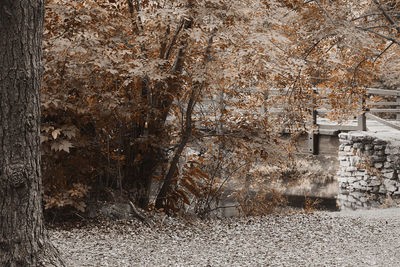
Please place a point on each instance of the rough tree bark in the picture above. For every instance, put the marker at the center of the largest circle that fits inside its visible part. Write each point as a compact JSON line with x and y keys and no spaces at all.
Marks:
{"x":23,"y":239}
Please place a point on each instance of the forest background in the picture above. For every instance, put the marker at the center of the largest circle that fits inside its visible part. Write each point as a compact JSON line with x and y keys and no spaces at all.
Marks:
{"x":164,"y":102}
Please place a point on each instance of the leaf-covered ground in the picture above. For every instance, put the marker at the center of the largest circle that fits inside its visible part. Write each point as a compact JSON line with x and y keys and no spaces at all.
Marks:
{"x":361,"y":238}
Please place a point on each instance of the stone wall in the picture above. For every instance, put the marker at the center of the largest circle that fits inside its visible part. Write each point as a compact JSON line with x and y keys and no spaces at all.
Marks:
{"x":369,"y":170}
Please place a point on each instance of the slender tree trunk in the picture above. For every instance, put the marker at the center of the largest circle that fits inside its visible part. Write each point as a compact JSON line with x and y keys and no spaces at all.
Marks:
{"x":23,"y":239}
{"x":187,"y":133}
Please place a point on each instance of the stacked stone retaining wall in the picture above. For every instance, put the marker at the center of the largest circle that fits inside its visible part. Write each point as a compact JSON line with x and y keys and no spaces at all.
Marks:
{"x":369,"y":170}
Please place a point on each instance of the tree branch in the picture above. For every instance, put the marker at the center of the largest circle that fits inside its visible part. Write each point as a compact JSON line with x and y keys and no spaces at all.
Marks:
{"x":381,"y":53}
{"x":187,"y":133}
{"x":380,"y":35}
{"x":365,"y":16}
{"x":173,"y":40}
{"x":386,"y":15}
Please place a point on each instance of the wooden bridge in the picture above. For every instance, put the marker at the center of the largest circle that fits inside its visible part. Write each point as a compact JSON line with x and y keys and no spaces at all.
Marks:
{"x":323,"y":132}
{"x":367,"y":121}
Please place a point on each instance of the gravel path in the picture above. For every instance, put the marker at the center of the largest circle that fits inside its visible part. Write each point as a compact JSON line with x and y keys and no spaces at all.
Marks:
{"x":361,"y":238}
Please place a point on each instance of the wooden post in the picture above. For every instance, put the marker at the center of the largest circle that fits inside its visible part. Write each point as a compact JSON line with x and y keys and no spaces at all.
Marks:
{"x":362,"y":121}
{"x":398,"y":107}
{"x":313,"y":133}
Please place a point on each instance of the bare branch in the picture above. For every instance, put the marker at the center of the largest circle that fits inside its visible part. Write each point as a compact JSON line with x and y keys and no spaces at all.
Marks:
{"x":386,"y":15}
{"x":365,"y":16}
{"x":377,"y":56}
{"x":379,"y":26}
{"x":353,"y":79}
{"x":173,"y":40}
{"x":305,"y":58}
{"x":386,"y":49}
{"x":380,"y":35}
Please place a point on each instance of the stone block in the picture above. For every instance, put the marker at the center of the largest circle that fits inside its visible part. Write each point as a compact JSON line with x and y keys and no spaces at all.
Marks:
{"x":351,"y":169}
{"x":393,"y":158}
{"x":357,"y":194}
{"x":358,"y":145}
{"x":342,"y":153}
{"x":388,"y":165}
{"x":352,"y":179}
{"x":378,"y":159}
{"x":378,"y":165}
{"x":344,"y":164}
{"x":392,"y":150}
{"x":343,"y":136}
{"x":359,"y":152}
{"x":356,"y":185}
{"x":379,"y":147}
{"x":378,"y":142}
{"x":358,"y":136}
{"x":390,"y":185}
{"x":375,"y":183}
{"x":346,"y":142}
{"x":347,"y":148}
{"x":374,"y":189}
{"x":368,"y":147}
{"x":354,"y":160}
{"x":350,"y":198}
{"x":379,"y":153}
{"x":382,"y":189}
{"x":367,"y":153}
{"x":390,"y":175}
{"x":367,"y":178}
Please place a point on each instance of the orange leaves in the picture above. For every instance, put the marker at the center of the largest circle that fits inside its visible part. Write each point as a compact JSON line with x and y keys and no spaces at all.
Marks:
{"x":197,"y":172}
{"x":72,"y":197}
{"x":55,"y":133}
{"x":124,"y":80}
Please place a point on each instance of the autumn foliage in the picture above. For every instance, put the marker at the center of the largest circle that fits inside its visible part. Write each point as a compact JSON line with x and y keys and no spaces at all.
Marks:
{"x":166,"y":101}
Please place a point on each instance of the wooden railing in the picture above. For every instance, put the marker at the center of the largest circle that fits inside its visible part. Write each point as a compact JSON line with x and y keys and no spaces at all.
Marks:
{"x":394,"y":106}
{"x":368,"y":113}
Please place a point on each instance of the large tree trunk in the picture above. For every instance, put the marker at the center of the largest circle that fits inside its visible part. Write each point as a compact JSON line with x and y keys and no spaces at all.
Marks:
{"x":23,"y":239}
